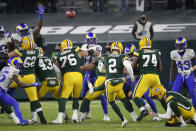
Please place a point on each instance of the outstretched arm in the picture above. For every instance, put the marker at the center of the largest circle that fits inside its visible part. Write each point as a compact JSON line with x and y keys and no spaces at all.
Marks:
{"x":18,"y":82}
{"x":172,"y":69}
{"x":87,"y":67}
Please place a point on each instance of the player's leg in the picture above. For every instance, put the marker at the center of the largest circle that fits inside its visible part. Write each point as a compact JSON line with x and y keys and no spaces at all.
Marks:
{"x":140,"y":89}
{"x":33,"y":98}
{"x":191,"y":87}
{"x":5,"y":98}
{"x":125,"y":100}
{"x":42,"y":90}
{"x":67,"y":89}
{"x":78,"y":78}
{"x":178,"y":83}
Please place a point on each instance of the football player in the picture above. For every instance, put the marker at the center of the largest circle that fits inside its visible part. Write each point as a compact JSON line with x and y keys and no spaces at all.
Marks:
{"x":182,"y":58}
{"x":179,"y":109}
{"x":114,"y":64}
{"x":149,"y":63}
{"x":129,"y":51}
{"x":91,"y":43}
{"x":23,"y":30}
{"x":89,"y":97}
{"x":29,"y":54}
{"x":8,"y":75}
{"x":69,"y":63}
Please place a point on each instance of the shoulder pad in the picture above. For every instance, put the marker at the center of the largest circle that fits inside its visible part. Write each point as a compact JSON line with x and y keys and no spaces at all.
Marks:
{"x":18,"y":51}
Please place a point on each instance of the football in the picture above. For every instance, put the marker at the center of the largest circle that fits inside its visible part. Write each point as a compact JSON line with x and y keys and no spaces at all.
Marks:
{"x":70,"y":14}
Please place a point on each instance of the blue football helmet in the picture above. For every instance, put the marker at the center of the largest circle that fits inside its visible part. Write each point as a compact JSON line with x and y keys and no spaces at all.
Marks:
{"x":129,"y":49}
{"x":16,"y":62}
{"x":2,"y":31}
{"x":22,"y":29}
{"x":91,"y":39}
{"x":181,"y":44}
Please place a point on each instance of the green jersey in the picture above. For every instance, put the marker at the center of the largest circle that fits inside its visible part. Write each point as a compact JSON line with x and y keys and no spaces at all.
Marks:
{"x":178,"y":98}
{"x":44,"y":68}
{"x":69,"y":60}
{"x":114,"y":65}
{"x":147,"y":61}
{"x":28,"y":57}
{"x":99,"y":63}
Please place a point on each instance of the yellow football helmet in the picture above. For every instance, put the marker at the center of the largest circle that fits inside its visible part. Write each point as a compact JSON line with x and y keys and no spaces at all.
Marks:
{"x":117,"y":46}
{"x":145,"y":42}
{"x":27,"y":43}
{"x":158,"y":91}
{"x":66,"y":44}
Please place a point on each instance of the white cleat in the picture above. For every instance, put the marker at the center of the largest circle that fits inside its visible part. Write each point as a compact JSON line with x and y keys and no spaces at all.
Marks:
{"x":87,"y":115}
{"x":124,"y":122}
{"x":156,"y":119}
{"x":183,"y":125}
{"x":106,"y":118}
{"x":34,"y":121}
{"x":80,"y":116}
{"x":57,"y":121}
{"x":134,"y":116}
{"x":75,"y":116}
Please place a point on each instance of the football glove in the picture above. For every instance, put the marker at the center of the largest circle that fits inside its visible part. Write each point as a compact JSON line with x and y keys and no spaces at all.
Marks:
{"x":40,"y":10}
{"x":36,"y":84}
{"x":90,"y":86}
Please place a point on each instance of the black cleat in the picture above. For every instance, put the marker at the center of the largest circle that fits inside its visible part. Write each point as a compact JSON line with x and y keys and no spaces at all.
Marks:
{"x":142,"y":115}
{"x":66,"y":117}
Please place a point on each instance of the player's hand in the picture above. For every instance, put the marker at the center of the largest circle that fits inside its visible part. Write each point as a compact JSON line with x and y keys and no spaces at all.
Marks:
{"x":186,"y":73}
{"x":153,"y":114}
{"x":90,"y":86}
{"x":41,"y":9}
{"x":171,"y":83}
{"x":36,"y":84}
{"x":129,"y":94}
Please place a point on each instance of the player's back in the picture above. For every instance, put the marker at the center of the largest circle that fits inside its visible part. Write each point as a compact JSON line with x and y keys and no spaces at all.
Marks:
{"x":69,"y":60}
{"x":28,"y":57}
{"x":6,"y":76}
{"x":148,"y":61}
{"x":44,"y":68}
{"x":113,"y":66}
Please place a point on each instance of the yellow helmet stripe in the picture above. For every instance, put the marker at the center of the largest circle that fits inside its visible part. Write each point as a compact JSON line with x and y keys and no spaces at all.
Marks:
{"x":68,"y":43}
{"x":147,"y":40}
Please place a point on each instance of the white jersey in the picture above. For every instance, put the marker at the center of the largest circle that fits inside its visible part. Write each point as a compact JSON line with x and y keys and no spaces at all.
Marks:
{"x":6,"y":76}
{"x":90,"y":59}
{"x":3,"y":42}
{"x":17,"y":37}
{"x":183,"y":62}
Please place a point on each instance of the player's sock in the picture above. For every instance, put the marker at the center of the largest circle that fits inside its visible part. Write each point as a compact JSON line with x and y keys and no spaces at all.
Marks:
{"x":34,"y":116}
{"x":181,"y":120}
{"x":138,"y":102}
{"x":88,"y":107}
{"x":104,"y":104}
{"x":127,"y":104}
{"x":143,"y":101}
{"x":62,"y":102}
{"x":117,"y":110}
{"x":41,"y":116}
{"x":194,"y":101}
{"x":152,"y":104}
{"x":75,"y":104}
{"x":14,"y":118}
{"x":84,"y":105}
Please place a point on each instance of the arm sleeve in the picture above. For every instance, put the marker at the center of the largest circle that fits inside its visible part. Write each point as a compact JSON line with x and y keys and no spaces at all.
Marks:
{"x":127,"y":64}
{"x":168,"y":114}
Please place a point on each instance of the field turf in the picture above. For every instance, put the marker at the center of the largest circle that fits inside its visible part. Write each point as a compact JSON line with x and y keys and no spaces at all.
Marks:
{"x":94,"y":124}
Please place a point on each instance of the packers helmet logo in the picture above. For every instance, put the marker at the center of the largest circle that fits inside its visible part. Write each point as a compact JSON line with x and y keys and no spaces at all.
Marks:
{"x":156,"y":90}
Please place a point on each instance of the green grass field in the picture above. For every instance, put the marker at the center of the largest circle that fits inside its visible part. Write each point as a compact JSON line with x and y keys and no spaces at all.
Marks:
{"x":94,"y":124}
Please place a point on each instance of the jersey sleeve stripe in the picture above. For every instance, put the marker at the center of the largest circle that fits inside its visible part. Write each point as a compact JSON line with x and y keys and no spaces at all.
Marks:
{"x":17,"y":52}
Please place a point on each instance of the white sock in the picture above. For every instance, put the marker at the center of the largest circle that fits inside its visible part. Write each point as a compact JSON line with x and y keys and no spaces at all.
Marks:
{"x":75,"y":111}
{"x":142,"y":108}
{"x":34,"y":116}
{"x":14,"y":118}
{"x":147,"y":106}
{"x":134,"y":116}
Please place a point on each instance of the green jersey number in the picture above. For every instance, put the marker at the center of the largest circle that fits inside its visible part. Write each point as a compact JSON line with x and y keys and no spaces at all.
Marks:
{"x":29,"y":61}
{"x":71,"y":58}
{"x":147,"y":58}
{"x":44,"y":66}
{"x":112,"y":65}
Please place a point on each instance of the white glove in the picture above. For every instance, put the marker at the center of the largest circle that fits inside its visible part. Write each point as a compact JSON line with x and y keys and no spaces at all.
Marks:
{"x":90,"y":86}
{"x":187,"y":73}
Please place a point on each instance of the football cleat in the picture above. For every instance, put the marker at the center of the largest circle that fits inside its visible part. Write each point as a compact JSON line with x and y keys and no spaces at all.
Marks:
{"x":156,"y":119}
{"x":106,"y":117}
{"x":57,"y":121}
{"x":87,"y":115}
{"x":142,"y":115}
{"x":75,"y":116}
{"x":133,"y":116}
{"x":66,"y":118}
{"x":80,"y":116}
{"x":124,"y":122}
{"x":25,"y":122}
